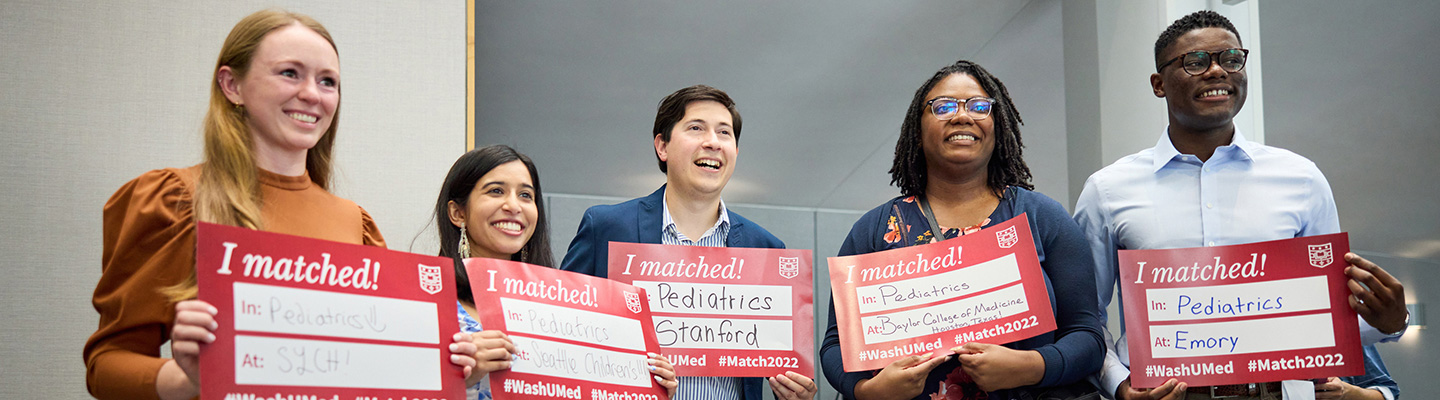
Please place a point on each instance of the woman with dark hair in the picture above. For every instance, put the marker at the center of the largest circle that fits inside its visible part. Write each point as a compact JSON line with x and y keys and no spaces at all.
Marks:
{"x":959,"y":168}
{"x":269,"y":134}
{"x":492,"y":202}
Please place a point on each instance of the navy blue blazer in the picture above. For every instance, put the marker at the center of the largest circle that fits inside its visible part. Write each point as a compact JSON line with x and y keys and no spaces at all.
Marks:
{"x":639,"y":221}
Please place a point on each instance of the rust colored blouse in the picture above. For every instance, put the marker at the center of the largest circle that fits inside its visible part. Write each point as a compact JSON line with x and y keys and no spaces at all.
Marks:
{"x":149,"y":244}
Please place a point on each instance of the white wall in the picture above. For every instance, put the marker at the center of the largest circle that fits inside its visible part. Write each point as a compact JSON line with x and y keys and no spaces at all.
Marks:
{"x":94,"y":93}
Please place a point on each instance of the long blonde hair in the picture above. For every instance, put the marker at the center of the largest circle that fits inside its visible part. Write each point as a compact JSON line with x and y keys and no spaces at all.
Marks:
{"x":228,"y":191}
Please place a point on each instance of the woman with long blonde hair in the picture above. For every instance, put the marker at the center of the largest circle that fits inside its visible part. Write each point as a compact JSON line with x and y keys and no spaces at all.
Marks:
{"x":268,"y":133}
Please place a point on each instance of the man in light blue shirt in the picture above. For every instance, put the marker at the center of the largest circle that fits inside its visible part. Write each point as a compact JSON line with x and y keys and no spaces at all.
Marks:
{"x":1204,"y":184}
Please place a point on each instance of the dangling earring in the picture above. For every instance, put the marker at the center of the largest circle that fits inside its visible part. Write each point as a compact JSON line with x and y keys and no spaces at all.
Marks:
{"x":524,"y":255}
{"x":464,"y":248}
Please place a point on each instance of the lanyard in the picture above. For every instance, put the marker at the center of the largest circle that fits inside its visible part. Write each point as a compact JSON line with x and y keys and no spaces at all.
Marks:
{"x":930,"y":218}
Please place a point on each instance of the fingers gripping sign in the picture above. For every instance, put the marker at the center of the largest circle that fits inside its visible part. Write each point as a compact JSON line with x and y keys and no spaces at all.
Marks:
{"x":903,"y":378}
{"x":664,"y":373}
{"x":995,"y":367}
{"x":1171,"y":390}
{"x":1381,"y":298}
{"x":793,"y":386}
{"x":194,"y":324}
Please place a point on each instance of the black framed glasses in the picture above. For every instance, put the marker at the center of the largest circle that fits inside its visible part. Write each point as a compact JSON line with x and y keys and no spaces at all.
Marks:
{"x":946,"y":108}
{"x":1196,"y":62}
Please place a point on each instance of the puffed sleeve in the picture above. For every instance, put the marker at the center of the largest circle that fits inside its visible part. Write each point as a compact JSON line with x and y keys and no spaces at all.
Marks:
{"x":148,"y":244}
{"x":371,"y":231}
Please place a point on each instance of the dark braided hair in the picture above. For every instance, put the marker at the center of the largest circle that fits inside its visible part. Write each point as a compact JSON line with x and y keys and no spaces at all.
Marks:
{"x":1196,"y":20}
{"x":1006,"y":167}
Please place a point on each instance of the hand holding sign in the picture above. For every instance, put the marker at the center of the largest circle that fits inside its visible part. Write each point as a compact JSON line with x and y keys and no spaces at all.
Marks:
{"x":1172,"y":389}
{"x":194,"y":324}
{"x":793,"y":386}
{"x":903,"y":378}
{"x":664,"y":373}
{"x":995,"y":367}
{"x":493,"y":352}
{"x":1381,"y":300}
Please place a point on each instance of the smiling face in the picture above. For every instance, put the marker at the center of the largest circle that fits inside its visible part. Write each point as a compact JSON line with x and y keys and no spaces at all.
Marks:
{"x":1206,"y":101}
{"x":500,"y":214}
{"x":700,"y":156}
{"x":290,"y":91}
{"x":960,"y":140}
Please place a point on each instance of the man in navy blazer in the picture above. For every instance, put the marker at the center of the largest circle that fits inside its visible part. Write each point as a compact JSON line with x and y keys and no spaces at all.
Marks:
{"x":696,"y":137}
{"x":638,"y":221}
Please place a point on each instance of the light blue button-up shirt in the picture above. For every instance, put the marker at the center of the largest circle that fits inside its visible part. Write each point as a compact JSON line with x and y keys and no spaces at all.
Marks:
{"x":1160,"y":199}
{"x":701,"y":387}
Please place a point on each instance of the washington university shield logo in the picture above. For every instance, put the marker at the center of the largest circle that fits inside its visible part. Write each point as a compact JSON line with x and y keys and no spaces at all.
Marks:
{"x":1007,"y":237}
{"x":430,"y":280}
{"x":632,"y":301}
{"x":1321,"y":255}
{"x":789,"y":267}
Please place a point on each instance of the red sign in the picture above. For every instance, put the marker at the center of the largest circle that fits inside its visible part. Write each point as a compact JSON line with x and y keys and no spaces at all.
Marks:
{"x":575,"y":335}
{"x":726,"y":311}
{"x":308,"y":317}
{"x":984,"y":287}
{"x":1259,"y":312}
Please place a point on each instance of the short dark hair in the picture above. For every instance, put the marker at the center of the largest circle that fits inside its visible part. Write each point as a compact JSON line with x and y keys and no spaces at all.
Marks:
{"x":461,"y":180}
{"x":672,"y":109}
{"x":1196,"y":20}
{"x":1006,"y":168}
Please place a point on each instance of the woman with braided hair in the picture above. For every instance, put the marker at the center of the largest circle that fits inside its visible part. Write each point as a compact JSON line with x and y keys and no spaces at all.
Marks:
{"x":959,"y":169}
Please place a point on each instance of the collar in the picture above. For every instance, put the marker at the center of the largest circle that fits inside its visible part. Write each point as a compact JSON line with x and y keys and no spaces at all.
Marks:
{"x":286,"y":182}
{"x":667,"y":223}
{"x":1238,"y":149}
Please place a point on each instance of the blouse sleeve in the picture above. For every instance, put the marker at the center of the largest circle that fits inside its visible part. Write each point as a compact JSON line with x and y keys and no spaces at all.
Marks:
{"x":371,"y":231}
{"x":148,"y":244}
{"x":1079,"y":348}
{"x":861,"y":240}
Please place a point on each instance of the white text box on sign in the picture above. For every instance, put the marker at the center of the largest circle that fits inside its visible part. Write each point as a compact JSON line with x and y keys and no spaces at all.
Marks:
{"x":1242,"y":337}
{"x":263,"y":360}
{"x":939,"y":287}
{"x":540,"y":319}
{"x":724,"y":333}
{"x":279,"y":309}
{"x":550,"y":358}
{"x":1238,"y":300}
{"x":945,"y":317}
{"x":717,"y":299}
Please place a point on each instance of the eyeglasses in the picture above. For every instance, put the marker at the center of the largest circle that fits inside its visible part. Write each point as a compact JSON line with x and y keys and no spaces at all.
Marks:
{"x":946,"y":108}
{"x":1197,"y":62}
